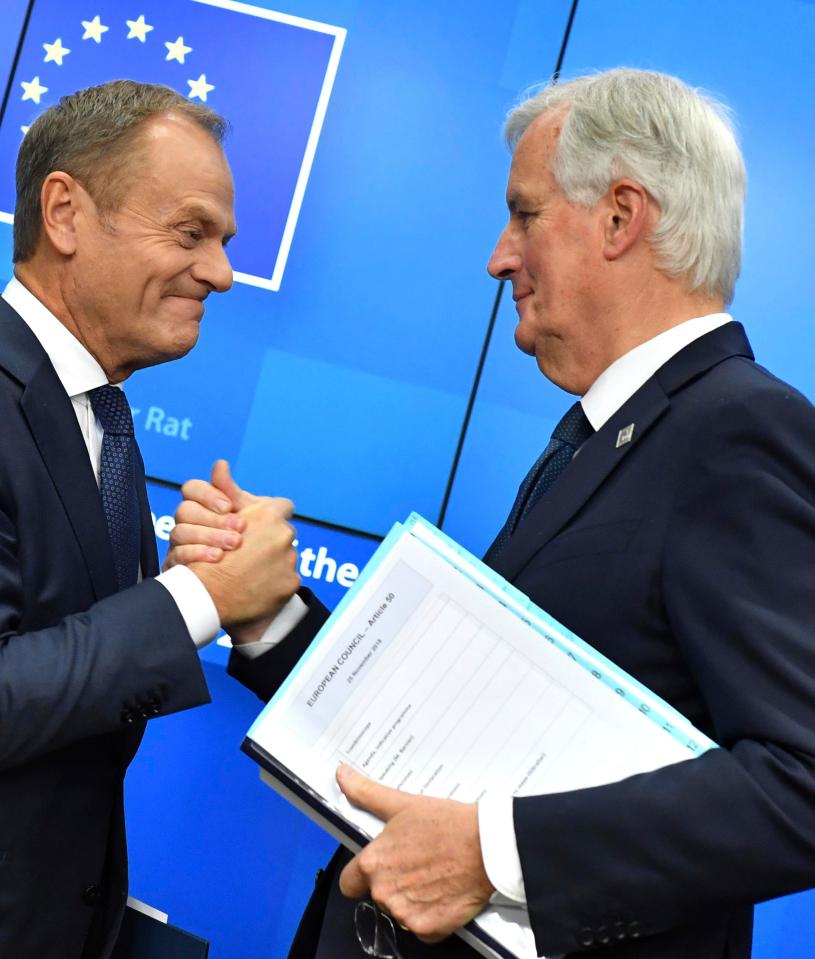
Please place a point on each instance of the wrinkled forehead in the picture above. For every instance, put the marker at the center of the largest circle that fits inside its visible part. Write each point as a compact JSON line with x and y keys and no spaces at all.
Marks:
{"x":540,"y":139}
{"x":177,"y":161}
{"x":531,"y":167}
{"x":173,"y":138}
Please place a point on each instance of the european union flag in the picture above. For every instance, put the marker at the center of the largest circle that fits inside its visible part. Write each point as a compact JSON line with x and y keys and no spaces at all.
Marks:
{"x":268,"y":73}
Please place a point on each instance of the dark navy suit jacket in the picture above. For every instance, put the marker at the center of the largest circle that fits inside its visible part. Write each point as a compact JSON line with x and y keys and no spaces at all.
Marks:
{"x":81,"y":668}
{"x":687,"y":557}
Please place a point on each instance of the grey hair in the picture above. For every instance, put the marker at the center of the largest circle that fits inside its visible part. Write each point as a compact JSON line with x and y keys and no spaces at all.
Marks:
{"x":93,"y":135}
{"x":675,"y":141}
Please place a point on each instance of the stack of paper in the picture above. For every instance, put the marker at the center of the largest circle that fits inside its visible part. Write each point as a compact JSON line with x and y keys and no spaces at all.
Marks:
{"x":436,"y":676}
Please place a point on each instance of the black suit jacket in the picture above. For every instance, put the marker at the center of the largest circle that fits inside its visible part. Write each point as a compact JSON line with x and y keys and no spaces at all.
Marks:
{"x":687,"y":557}
{"x":81,"y":668}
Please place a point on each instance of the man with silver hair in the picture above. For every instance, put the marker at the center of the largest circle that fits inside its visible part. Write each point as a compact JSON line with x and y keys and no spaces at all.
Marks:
{"x":679,"y":543}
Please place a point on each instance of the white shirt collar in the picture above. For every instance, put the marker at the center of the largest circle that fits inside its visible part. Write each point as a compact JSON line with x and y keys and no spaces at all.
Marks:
{"x":76,"y":368}
{"x":626,"y":375}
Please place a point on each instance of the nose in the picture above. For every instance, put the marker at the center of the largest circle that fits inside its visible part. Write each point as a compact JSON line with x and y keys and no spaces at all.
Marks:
{"x":213,"y":268}
{"x":504,"y":260}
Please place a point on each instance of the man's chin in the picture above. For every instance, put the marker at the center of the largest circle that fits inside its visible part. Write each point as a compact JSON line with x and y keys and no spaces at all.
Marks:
{"x":184,"y":337}
{"x":524,"y":343}
{"x":182,"y":347}
{"x":170,"y":351}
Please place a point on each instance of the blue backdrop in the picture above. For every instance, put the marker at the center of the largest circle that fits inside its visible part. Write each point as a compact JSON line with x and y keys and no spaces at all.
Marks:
{"x":370,"y":174}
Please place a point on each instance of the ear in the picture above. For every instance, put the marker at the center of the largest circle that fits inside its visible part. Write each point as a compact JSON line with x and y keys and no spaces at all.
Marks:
{"x":628,"y":217}
{"x":61,"y":199}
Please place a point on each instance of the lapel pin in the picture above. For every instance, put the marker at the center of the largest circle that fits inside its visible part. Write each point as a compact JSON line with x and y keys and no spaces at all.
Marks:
{"x":625,"y":435}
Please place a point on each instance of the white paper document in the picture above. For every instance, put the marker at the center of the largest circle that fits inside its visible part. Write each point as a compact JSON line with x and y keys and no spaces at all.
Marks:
{"x":437,"y":677}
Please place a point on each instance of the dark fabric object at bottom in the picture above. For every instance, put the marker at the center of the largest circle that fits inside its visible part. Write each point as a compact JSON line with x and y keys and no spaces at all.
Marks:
{"x":326,"y":930}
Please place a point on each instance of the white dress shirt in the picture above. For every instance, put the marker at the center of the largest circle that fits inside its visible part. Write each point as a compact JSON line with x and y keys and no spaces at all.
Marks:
{"x":79,"y":372}
{"x":606,"y":395}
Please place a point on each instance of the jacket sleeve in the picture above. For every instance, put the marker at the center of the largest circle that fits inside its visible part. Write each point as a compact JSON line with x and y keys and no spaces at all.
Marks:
{"x":264,"y":674}
{"x":127,"y":658}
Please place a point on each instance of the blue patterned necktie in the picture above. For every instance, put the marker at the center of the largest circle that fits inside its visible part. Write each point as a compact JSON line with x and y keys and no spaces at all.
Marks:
{"x":567,"y":437}
{"x":118,"y":484}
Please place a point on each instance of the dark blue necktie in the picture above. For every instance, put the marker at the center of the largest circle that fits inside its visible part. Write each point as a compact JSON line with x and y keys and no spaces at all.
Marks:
{"x":118,"y":484}
{"x":568,"y":436}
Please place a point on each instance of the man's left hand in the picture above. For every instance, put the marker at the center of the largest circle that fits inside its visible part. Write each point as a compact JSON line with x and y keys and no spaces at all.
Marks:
{"x":425,"y":868}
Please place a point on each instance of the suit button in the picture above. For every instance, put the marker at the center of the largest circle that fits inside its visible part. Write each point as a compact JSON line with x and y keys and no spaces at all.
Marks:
{"x":634,"y":929}
{"x":586,"y":937}
{"x":603,"y":935}
{"x":127,"y":717}
{"x":620,"y":931}
{"x":153,"y":710}
{"x":92,"y":895}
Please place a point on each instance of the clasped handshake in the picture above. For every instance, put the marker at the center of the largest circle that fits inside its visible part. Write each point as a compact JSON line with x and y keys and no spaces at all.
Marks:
{"x":425,"y":869}
{"x":241,"y":548}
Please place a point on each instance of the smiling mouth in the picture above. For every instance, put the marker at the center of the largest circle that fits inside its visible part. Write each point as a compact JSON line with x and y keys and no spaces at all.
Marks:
{"x":187,"y":296}
{"x":196,"y":300}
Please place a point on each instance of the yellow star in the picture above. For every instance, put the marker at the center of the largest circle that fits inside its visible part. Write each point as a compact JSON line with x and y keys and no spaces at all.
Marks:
{"x":94,"y":29}
{"x":200,"y":88}
{"x":33,"y":90}
{"x":55,"y":52}
{"x":138,"y":29}
{"x":176,"y":50}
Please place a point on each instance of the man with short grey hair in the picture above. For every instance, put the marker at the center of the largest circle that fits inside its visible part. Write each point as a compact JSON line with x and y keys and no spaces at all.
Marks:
{"x":678,"y":542}
{"x":125,"y":205}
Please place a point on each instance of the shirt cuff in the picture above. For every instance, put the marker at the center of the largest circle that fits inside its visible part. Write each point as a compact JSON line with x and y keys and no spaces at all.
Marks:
{"x":499,"y":848}
{"x":194,"y":603}
{"x":278,"y":629}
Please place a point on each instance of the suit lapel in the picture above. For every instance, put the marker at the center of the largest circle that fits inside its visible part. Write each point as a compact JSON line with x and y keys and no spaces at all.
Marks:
{"x":53,"y":424}
{"x":601,"y":454}
{"x":597,"y":458}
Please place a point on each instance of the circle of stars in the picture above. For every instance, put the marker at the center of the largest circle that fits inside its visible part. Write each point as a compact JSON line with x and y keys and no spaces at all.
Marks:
{"x":95,"y":30}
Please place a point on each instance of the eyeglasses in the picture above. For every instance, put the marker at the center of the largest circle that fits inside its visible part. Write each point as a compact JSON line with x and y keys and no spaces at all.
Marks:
{"x":375,"y":931}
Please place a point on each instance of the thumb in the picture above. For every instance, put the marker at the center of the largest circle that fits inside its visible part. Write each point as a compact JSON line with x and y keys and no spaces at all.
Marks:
{"x":353,"y":882}
{"x":221,"y":478}
{"x":380,"y":800}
